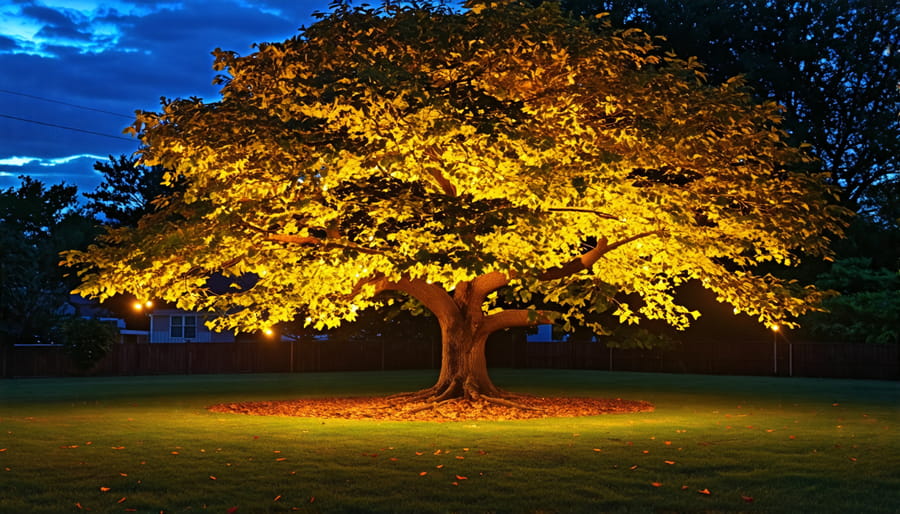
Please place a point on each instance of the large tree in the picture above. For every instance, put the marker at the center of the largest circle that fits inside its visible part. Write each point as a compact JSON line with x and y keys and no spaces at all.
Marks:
{"x":834,"y":64}
{"x":36,"y":223}
{"x":475,"y":163}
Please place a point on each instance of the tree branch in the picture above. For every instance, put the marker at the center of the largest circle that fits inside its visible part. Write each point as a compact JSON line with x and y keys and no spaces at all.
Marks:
{"x":587,"y":259}
{"x":586,"y":211}
{"x":432,"y":296}
{"x":513,"y":318}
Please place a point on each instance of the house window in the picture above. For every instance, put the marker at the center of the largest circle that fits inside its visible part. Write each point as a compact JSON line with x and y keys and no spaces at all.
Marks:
{"x":184,"y":327}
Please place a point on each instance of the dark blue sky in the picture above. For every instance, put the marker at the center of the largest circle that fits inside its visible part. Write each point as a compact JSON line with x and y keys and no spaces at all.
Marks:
{"x":117,"y":57}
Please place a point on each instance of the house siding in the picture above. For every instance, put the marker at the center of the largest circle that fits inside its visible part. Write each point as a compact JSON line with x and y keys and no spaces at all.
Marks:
{"x":161,"y":329}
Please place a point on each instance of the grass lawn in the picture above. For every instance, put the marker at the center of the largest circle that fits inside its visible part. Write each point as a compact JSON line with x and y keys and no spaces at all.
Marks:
{"x":147,"y":444}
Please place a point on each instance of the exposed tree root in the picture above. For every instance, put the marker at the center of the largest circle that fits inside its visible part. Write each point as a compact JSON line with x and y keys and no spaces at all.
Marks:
{"x":506,"y":403}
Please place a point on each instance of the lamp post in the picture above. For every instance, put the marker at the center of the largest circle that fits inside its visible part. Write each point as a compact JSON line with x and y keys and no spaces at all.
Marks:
{"x":775,"y":329}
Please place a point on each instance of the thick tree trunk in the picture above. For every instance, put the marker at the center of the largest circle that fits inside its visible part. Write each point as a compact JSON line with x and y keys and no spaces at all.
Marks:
{"x":464,"y":333}
{"x":464,"y":371}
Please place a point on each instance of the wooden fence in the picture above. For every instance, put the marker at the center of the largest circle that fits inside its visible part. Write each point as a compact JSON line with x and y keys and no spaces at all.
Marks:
{"x":802,"y":359}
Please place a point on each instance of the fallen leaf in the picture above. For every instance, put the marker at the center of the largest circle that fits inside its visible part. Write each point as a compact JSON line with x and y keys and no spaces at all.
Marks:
{"x":459,"y":457}
{"x":174,"y":453}
{"x":440,"y":466}
{"x":748,"y":499}
{"x":684,"y":488}
{"x":669,"y":462}
{"x":232,"y":510}
{"x":123,"y":474}
{"x":212,"y":477}
{"x":122,"y":499}
{"x":704,"y":491}
{"x":597,"y":450}
{"x":104,"y":489}
{"x":632,"y":468}
{"x":668,"y":443}
{"x":418,"y":453}
{"x":454,"y":483}
{"x":2,"y":449}
{"x":459,"y":477}
{"x":853,"y":459}
{"x":422,"y":474}
{"x":645,"y":452}
{"x":656,"y":484}
{"x":118,"y":447}
{"x":312,"y":499}
{"x":279,"y":459}
{"x":277,"y":498}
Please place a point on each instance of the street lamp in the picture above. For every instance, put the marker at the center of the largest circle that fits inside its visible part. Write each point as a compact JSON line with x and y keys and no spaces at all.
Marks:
{"x":775,"y":329}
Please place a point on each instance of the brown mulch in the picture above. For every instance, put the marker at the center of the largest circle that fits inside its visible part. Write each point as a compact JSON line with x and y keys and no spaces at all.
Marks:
{"x":382,"y":409}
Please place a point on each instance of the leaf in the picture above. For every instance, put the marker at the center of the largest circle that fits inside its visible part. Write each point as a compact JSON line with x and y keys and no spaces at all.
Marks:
{"x":277,"y":498}
{"x":669,"y":462}
{"x":104,"y":489}
{"x":704,"y":491}
{"x":656,"y":484}
{"x":211,"y":477}
{"x":232,"y":510}
{"x":423,"y":473}
{"x":122,"y":499}
{"x":460,"y":477}
{"x":748,"y":499}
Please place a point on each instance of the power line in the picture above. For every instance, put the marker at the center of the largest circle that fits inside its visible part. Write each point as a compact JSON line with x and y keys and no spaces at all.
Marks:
{"x":64,"y":127}
{"x":64,"y":103}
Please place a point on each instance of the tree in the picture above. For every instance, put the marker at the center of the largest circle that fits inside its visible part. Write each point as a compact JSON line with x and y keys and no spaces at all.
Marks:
{"x":833,"y":64}
{"x":499,"y":168}
{"x":868,"y":308}
{"x":36,"y":223}
{"x":127,"y":191}
{"x":86,"y":340}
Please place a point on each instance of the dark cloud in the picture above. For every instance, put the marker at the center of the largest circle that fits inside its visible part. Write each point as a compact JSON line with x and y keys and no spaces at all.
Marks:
{"x":47,"y":16}
{"x":8,"y":44}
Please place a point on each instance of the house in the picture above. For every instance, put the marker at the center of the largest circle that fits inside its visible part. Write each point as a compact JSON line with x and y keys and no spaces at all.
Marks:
{"x":178,"y":326}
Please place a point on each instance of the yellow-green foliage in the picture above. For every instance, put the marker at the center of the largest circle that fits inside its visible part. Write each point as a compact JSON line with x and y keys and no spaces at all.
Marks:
{"x":428,"y":148}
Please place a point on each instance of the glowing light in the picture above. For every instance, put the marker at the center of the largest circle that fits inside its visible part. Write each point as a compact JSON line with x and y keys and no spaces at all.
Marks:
{"x":775,"y":328}
{"x":138,"y":306}
{"x":148,"y":304}
{"x":268,"y":332}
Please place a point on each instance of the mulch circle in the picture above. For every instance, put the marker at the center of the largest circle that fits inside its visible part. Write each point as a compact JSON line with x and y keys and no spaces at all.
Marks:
{"x":381,"y":409}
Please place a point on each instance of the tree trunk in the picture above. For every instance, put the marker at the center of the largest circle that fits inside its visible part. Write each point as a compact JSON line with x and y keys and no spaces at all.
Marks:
{"x":464,"y":371}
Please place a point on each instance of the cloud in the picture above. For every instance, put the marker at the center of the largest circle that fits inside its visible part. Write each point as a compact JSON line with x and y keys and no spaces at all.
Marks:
{"x":75,"y":169}
{"x":8,"y":44}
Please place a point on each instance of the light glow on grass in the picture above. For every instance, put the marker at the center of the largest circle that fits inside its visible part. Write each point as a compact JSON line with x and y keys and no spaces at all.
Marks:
{"x":791,"y":445}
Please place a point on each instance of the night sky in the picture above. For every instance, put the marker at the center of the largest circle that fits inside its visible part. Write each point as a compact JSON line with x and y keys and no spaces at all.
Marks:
{"x":113,"y":57}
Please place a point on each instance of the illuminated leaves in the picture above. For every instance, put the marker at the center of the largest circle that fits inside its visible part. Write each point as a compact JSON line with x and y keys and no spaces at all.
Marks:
{"x":386,"y":146}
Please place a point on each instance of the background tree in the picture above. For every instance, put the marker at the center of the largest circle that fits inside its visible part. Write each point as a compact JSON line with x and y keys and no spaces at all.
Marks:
{"x":36,"y":223}
{"x":86,"y":340}
{"x":127,"y":191}
{"x":834,"y":65}
{"x":475,"y":163}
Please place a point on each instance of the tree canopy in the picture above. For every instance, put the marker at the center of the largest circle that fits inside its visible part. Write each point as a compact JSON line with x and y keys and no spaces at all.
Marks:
{"x":477,"y":163}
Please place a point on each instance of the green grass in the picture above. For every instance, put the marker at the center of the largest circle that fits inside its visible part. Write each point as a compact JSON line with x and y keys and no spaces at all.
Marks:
{"x":793,"y":445}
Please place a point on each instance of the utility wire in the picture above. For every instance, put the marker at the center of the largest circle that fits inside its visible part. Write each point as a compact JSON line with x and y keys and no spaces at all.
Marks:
{"x":64,"y":127}
{"x":64,"y":103}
